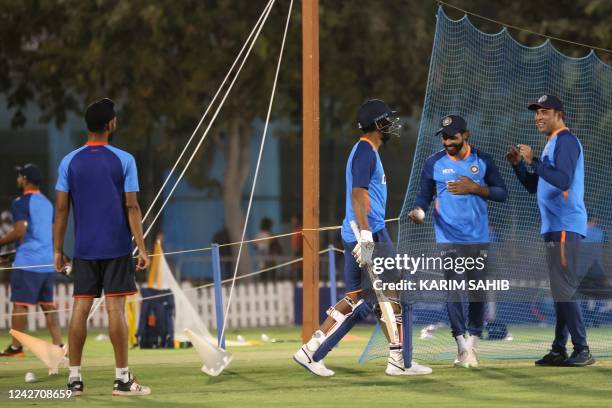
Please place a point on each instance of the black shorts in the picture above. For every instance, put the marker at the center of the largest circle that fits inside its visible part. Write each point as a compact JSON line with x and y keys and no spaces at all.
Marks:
{"x":115,"y":276}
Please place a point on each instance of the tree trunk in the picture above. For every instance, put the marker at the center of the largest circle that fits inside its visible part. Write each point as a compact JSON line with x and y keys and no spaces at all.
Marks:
{"x":237,"y":154}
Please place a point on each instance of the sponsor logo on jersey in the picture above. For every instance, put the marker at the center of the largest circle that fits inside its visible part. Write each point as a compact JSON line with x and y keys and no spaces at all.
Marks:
{"x":448,"y":171}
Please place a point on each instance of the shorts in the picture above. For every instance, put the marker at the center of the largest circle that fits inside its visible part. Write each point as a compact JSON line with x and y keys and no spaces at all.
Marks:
{"x":31,"y":288}
{"x":355,"y":279}
{"x":115,"y":276}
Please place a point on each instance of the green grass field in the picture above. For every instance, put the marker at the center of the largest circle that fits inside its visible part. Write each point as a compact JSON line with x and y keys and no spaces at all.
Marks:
{"x":264,"y":375}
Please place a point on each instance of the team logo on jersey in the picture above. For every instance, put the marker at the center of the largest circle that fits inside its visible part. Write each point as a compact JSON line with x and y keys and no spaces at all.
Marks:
{"x":384,"y":179}
{"x":542,"y":98}
{"x":448,"y":171}
{"x":474,"y":169}
{"x":447,"y":121}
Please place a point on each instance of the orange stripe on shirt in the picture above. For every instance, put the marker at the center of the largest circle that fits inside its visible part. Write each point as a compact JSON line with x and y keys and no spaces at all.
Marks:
{"x":555,"y":133}
{"x":562,"y":249}
{"x":365,"y":139}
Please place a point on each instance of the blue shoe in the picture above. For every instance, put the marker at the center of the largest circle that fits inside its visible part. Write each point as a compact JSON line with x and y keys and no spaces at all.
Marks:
{"x":553,"y":359}
{"x":580,"y":358}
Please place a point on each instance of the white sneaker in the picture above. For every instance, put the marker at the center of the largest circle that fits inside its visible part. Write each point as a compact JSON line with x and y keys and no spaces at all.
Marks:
{"x":304,"y":356}
{"x":473,"y":357}
{"x":132,"y":387}
{"x":462,"y":360}
{"x":395,"y":366}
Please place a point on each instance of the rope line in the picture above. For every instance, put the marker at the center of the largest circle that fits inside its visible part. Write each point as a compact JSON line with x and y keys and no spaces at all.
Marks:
{"x":197,"y":147}
{"x":254,"y":184}
{"x":186,"y":251}
{"x":206,"y":111}
{"x":206,"y":285}
{"x":501,"y":23}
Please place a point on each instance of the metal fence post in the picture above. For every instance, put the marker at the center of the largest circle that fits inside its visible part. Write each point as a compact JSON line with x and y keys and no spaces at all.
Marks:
{"x":216,"y":265}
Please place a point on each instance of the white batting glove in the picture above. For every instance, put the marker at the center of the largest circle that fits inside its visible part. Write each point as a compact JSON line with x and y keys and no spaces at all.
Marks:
{"x":364,"y":249}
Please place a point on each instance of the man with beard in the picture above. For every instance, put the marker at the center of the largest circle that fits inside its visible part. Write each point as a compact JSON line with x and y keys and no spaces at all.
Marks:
{"x":100,"y":182}
{"x":461,"y":178}
{"x":366,"y":198}
{"x":557,"y":178}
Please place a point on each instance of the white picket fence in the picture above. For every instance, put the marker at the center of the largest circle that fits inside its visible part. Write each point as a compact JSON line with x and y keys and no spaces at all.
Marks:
{"x":261,"y":304}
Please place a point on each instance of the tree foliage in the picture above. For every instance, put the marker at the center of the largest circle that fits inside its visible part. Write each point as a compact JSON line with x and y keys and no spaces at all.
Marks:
{"x":162,"y":60}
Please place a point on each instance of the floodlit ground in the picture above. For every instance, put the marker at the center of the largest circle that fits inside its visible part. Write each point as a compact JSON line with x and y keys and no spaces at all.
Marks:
{"x":264,"y":375}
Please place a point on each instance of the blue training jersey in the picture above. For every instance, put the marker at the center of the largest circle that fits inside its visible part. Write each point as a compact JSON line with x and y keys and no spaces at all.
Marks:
{"x":364,"y":170}
{"x":558,"y":179}
{"x":460,"y":218}
{"x":97,"y":176}
{"x":37,"y":245}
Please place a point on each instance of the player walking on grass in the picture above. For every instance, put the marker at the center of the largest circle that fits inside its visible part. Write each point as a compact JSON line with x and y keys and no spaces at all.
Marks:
{"x":33,"y":218}
{"x":366,"y":198}
{"x":461,"y":178}
{"x":558,"y":179}
{"x":100,"y":182}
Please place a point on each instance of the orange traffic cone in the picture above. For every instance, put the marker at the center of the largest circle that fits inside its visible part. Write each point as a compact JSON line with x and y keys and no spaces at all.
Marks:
{"x":50,"y":354}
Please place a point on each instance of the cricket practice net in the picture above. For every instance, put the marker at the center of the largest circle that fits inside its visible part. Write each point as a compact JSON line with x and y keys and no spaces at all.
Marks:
{"x":489,"y":79}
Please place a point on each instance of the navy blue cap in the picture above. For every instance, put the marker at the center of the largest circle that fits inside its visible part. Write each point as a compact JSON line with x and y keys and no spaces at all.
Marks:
{"x":31,"y":172}
{"x":547,"y":102}
{"x":99,"y":113}
{"x":371,"y":111}
{"x":451,"y":125}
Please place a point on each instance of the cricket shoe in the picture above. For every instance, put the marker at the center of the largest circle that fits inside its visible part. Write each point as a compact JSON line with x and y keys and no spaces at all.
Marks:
{"x":11,"y":351}
{"x":462,"y":360}
{"x":130,"y":388}
{"x":472,"y":358}
{"x":304,"y":358}
{"x":395,"y":366}
{"x":580,"y":359}
{"x":553,"y":359}
{"x":76,"y":386}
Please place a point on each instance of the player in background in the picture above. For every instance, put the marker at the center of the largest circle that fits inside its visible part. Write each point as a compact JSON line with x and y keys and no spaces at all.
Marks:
{"x":557,"y":178}
{"x":100,"y":182}
{"x":366,"y":198}
{"x":33,"y":217}
{"x":461,"y":178}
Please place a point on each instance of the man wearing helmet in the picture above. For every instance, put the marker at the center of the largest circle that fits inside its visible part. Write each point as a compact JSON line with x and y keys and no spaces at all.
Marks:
{"x":366,"y":198}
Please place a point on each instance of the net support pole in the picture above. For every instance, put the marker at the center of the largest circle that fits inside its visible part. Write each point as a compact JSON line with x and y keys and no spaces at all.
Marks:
{"x":310,"y":165}
{"x":216,"y":266}
{"x":331,"y":256}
